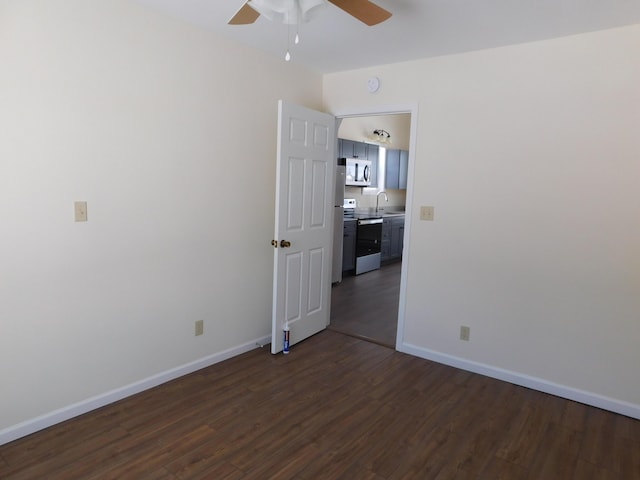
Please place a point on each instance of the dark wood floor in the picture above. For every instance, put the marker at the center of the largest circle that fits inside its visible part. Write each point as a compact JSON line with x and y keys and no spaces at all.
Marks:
{"x":336,"y":407}
{"x":366,"y":305}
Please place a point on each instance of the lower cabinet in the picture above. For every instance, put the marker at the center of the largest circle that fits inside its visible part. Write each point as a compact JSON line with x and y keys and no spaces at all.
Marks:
{"x":385,"y":244}
{"x":397,"y":237}
{"x":392,"y":238}
{"x":349,"y":245}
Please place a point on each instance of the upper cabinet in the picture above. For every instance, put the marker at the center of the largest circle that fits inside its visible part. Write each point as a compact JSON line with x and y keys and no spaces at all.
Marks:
{"x":404,"y":166}
{"x":363,"y":151}
{"x":351,"y":149}
{"x":372,"y":155}
{"x":392,"y":172}
{"x":397,"y":162}
{"x":396,"y":169}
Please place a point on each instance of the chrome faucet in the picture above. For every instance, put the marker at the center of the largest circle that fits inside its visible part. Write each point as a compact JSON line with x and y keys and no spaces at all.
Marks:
{"x":378,"y":198}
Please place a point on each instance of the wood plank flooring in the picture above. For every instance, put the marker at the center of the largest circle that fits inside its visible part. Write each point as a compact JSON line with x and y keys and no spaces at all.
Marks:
{"x":366,"y":306}
{"x":336,"y":407}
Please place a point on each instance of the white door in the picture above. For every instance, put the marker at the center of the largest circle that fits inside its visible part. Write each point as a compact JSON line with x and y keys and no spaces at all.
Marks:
{"x":304,"y":222}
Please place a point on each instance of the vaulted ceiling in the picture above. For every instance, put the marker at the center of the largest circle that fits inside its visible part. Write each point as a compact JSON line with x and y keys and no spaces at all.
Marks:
{"x":334,"y":41}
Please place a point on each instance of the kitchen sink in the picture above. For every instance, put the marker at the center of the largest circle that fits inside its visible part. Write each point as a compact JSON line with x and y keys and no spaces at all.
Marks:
{"x":372,"y":213}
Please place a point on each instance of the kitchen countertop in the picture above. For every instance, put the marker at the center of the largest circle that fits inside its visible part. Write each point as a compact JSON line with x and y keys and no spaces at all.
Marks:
{"x":363,"y":213}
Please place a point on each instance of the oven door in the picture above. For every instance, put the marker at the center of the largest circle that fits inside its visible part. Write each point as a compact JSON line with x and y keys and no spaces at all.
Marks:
{"x":369,"y":236}
{"x":368,"y":245}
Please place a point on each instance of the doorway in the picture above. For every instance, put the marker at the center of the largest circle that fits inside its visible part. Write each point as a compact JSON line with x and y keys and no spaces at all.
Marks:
{"x":371,"y":306}
{"x":366,"y":306}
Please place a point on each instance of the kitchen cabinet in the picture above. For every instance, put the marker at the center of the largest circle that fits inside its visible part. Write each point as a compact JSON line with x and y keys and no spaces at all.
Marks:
{"x":404,"y":166}
{"x":352,"y":149}
{"x":385,"y":243}
{"x":364,"y":151}
{"x":361,"y":150}
{"x":392,"y":238}
{"x":372,"y":156}
{"x":396,"y":169}
{"x":397,"y":237}
{"x":392,"y":170}
{"x":349,"y":245}
{"x":397,"y":162}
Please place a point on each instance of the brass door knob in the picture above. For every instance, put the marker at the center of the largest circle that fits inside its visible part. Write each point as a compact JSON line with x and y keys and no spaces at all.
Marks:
{"x":285,"y":244}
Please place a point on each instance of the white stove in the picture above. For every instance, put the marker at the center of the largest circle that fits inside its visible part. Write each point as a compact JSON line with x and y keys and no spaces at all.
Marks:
{"x":349,"y":207}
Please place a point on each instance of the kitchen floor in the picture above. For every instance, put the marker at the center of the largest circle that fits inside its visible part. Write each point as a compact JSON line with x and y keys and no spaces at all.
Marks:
{"x":366,"y":306}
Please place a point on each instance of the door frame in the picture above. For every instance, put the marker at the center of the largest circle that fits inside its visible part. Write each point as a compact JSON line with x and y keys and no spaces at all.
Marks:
{"x":371,"y":111}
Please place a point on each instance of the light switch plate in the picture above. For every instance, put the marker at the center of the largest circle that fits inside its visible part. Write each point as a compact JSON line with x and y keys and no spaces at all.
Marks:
{"x":426,"y":213}
{"x":80,"y":209}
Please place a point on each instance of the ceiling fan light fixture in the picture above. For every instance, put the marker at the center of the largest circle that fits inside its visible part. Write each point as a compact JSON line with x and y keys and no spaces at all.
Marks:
{"x":308,"y":8}
{"x":290,"y":12}
{"x":295,"y":11}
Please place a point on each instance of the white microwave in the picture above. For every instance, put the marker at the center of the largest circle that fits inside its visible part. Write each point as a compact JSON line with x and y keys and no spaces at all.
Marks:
{"x":358,"y":172}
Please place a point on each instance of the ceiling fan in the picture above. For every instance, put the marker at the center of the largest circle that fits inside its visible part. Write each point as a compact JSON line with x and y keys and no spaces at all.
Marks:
{"x":289,"y":11}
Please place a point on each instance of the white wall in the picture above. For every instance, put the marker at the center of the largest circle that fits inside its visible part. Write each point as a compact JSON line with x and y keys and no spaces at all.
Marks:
{"x":159,"y":126}
{"x":531,"y":156}
{"x":361,"y":128}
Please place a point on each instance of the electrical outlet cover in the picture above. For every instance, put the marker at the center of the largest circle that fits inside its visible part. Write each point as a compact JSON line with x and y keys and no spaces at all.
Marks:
{"x":199,"y":327}
{"x":80,"y":211}
{"x":465,"y":333}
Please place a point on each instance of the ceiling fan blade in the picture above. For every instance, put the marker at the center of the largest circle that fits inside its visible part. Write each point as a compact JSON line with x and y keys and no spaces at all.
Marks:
{"x":244,"y":16}
{"x":364,"y":10}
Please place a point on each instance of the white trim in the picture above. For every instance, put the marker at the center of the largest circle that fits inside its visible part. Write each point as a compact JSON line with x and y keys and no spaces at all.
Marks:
{"x":373,"y":110}
{"x":44,"y":421}
{"x":535,"y":383}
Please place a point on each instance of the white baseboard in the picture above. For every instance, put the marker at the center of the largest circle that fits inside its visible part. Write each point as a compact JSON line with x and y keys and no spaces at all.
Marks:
{"x":44,"y":421}
{"x":588,"y":398}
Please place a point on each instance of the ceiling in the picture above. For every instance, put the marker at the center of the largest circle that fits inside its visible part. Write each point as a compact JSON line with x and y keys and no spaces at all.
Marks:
{"x":334,"y":41}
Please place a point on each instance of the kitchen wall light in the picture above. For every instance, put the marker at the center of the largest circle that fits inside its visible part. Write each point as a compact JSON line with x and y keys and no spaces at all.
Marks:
{"x":381,"y":136}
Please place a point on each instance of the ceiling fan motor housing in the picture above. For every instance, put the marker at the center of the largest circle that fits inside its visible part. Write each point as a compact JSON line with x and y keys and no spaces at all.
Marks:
{"x":290,"y":12}
{"x":296,"y":11}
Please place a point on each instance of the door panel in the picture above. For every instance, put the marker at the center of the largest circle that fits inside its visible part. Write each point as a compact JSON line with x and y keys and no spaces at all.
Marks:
{"x":316,"y":259}
{"x":304,"y":217}
{"x":294,"y":280}
{"x":319,"y":198}
{"x":295,"y":213}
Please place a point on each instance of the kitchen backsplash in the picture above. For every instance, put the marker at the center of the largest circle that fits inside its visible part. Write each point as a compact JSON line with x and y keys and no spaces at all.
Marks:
{"x":397,"y":198}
